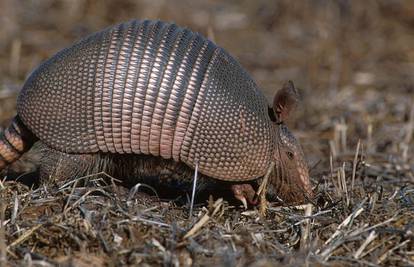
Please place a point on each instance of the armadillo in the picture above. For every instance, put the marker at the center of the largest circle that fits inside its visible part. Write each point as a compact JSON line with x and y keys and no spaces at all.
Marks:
{"x":161,"y":93}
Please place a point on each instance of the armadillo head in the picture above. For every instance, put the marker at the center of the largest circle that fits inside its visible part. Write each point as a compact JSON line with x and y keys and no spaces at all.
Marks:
{"x":289,"y":180}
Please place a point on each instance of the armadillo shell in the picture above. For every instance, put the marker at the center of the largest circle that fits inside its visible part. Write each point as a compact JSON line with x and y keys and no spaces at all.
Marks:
{"x":150,"y":87}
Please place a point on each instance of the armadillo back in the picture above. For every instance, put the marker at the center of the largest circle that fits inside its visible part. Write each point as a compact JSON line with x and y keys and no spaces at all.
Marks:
{"x":149,"y":87}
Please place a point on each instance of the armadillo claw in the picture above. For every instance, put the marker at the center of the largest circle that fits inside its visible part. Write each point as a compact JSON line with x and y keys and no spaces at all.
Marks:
{"x":243,"y":200}
{"x":245,"y":193}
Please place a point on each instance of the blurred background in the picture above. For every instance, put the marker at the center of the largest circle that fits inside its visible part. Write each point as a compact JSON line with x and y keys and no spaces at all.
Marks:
{"x":352,"y":60}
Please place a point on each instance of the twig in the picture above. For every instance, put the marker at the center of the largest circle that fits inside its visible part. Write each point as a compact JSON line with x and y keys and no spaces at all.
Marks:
{"x":342,"y":182}
{"x":88,"y":176}
{"x":15,"y":208}
{"x":3,"y":249}
{"x":332,"y":146}
{"x":210,"y":33}
{"x":135,"y":188}
{"x":370,"y":147}
{"x":261,"y":192}
{"x":204,"y":219}
{"x":194,"y":189}
{"x":24,"y":236}
{"x":354,"y":165}
{"x":70,"y":196}
{"x":197,"y":226}
{"x":410,"y":128}
{"x":367,"y":241}
{"x":140,"y":219}
{"x":332,"y":173}
{"x":390,"y":251}
{"x":339,"y":231}
{"x":82,"y":198}
{"x":158,"y":245}
{"x":305,"y":228}
{"x":15,"y":54}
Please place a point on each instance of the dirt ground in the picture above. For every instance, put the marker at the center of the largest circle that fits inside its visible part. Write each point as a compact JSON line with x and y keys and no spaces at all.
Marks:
{"x":353,"y":63}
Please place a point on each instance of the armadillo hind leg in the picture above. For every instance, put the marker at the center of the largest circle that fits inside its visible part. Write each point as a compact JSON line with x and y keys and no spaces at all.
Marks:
{"x":160,"y":173}
{"x":170,"y":178}
{"x":130,"y":169}
{"x":59,"y":166}
{"x":14,"y":141}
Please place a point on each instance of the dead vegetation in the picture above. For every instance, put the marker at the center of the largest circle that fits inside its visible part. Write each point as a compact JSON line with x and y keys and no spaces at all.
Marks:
{"x":353,"y":62}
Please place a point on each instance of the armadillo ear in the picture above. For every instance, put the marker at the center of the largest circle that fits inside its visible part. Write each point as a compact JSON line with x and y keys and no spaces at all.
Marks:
{"x":285,"y":101}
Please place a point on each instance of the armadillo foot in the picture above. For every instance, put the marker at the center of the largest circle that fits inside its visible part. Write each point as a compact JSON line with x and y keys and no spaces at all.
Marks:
{"x":245,"y":193}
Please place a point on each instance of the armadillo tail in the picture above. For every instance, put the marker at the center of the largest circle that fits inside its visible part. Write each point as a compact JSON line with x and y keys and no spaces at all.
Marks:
{"x":14,"y":141}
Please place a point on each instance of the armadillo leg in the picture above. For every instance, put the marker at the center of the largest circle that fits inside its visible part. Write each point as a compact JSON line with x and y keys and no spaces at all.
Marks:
{"x":56,"y":165}
{"x":245,"y":193}
{"x":15,"y":141}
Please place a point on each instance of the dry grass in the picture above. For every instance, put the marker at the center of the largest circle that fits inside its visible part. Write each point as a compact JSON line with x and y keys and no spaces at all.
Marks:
{"x":353,"y":62}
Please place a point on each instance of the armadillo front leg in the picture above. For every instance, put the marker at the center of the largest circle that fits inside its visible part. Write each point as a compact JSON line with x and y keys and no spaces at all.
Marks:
{"x":245,"y":193}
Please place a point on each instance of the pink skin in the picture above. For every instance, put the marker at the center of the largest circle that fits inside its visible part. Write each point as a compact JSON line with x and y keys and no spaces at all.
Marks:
{"x":245,"y":193}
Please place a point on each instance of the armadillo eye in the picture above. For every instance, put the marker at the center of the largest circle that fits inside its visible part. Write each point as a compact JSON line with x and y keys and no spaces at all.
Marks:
{"x":290,"y":155}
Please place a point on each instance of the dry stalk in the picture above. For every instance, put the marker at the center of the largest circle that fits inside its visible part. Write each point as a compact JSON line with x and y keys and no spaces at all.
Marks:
{"x":197,"y":226}
{"x":370,"y":147}
{"x":81,"y":199}
{"x":15,"y":54}
{"x":333,"y":148}
{"x":367,"y":241}
{"x":305,"y":228}
{"x":210,"y":33}
{"x":335,"y":240}
{"x":158,"y":245}
{"x":135,"y":189}
{"x":332,"y":173}
{"x":354,"y":166}
{"x":410,"y":128}
{"x":384,"y":256}
{"x":408,"y":136}
{"x":15,"y":208}
{"x":24,"y":236}
{"x":3,"y":248}
{"x":70,"y":195}
{"x":66,"y":185}
{"x":193,"y":192}
{"x":344,"y":186}
{"x":204,"y":219}
{"x":261,"y":192}
{"x":343,"y":130}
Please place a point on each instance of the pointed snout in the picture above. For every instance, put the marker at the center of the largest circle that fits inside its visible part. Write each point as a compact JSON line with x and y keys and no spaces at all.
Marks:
{"x":291,"y":187}
{"x":306,"y":185}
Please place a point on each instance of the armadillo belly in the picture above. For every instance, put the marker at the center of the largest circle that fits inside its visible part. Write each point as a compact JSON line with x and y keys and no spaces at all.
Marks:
{"x":153,"y":88}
